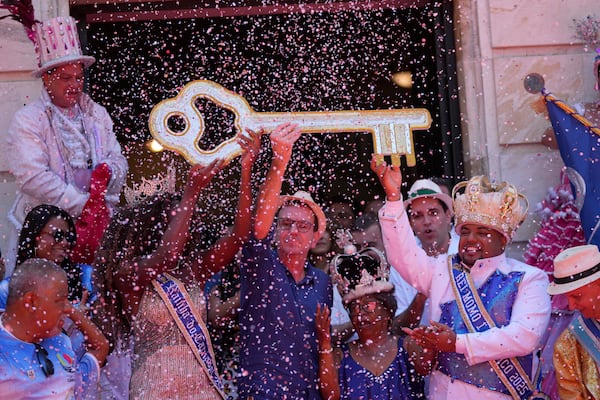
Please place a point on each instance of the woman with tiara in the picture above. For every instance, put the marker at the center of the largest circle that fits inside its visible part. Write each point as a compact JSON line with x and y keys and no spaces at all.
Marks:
{"x":152,"y":295}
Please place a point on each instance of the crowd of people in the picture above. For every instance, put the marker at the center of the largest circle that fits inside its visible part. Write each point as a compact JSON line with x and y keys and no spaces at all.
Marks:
{"x":407,"y":299}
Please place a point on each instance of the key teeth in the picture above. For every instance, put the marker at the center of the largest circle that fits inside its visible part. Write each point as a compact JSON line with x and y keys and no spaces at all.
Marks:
{"x":396,"y":162}
{"x":379,"y":159}
{"x":411,"y":160}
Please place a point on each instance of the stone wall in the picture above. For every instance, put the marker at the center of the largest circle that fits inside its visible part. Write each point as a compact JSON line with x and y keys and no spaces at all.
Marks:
{"x":499,"y":43}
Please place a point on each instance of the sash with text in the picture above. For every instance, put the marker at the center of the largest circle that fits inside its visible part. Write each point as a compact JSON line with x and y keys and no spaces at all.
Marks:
{"x":477,"y":319}
{"x":178,"y":301}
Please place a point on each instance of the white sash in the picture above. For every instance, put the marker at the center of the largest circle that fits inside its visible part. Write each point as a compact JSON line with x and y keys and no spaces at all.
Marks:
{"x":477,"y":319}
{"x":179,"y":304}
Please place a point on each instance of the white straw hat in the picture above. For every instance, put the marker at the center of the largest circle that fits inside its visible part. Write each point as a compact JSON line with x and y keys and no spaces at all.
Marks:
{"x":575,"y":267}
{"x":305,"y":198}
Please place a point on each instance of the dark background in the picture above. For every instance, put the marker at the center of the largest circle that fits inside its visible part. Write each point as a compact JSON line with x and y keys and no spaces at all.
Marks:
{"x":289,"y":62}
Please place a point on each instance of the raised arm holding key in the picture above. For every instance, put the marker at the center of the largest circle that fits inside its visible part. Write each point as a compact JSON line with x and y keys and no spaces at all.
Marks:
{"x":488,"y":311}
{"x":280,"y":289}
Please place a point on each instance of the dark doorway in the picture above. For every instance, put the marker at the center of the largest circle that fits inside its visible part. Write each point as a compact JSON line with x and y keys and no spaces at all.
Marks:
{"x":294,"y":62}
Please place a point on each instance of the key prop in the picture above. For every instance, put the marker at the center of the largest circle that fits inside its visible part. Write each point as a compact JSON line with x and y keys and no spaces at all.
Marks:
{"x":178,"y":125}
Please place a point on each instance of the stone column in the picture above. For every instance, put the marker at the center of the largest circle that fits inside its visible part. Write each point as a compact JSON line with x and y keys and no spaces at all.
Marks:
{"x":471,"y":87}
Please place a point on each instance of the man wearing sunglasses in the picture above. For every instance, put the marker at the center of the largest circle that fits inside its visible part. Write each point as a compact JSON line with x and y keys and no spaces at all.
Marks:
{"x":36,"y":358}
{"x":280,"y":289}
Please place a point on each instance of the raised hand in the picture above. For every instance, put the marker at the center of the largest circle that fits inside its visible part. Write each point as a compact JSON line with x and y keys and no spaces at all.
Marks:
{"x":200,"y":176}
{"x":99,"y":180}
{"x":250,"y":147}
{"x":328,"y":373}
{"x":322,"y":326}
{"x":94,"y":217}
{"x":282,"y":140}
{"x":390,"y":178}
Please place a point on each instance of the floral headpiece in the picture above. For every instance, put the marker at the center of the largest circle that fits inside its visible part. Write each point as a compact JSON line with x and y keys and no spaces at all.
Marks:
{"x":497,"y":206}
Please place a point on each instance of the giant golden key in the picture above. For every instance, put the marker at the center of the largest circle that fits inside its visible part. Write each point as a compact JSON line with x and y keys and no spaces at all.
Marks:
{"x":391,"y":129}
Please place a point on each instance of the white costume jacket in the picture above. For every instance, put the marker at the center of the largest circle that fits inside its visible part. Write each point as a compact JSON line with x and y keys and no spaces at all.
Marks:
{"x":429,"y":275}
{"x":37,"y":158}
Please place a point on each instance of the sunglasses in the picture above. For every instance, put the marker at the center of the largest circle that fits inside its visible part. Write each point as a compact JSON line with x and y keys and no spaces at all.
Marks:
{"x":42,"y":357}
{"x":302,"y":226}
{"x":59,"y":235}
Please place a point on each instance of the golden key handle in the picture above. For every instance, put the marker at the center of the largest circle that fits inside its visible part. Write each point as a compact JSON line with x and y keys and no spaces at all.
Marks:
{"x":391,"y":129}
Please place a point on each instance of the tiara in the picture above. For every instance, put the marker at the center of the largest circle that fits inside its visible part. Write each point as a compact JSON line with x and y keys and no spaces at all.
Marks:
{"x":160,"y":184}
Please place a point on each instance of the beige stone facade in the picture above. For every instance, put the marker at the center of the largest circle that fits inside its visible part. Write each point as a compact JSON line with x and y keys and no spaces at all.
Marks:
{"x":498,"y":42}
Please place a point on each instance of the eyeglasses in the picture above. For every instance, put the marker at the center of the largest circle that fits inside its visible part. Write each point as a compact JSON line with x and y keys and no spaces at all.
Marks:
{"x":302,"y":226}
{"x":42,"y":357}
{"x":59,"y":235}
{"x":368,"y":307}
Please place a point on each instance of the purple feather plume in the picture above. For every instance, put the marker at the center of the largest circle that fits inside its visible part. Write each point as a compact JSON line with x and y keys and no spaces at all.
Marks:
{"x":22,"y":11}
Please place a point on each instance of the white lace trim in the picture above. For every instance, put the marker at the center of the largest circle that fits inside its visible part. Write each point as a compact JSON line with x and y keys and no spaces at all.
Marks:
{"x":68,"y":125}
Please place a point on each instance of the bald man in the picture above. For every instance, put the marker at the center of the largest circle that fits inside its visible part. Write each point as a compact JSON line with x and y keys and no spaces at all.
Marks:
{"x":36,"y":358}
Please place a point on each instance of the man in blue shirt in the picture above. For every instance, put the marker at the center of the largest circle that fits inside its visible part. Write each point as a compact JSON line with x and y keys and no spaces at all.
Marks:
{"x":280,"y":289}
{"x":37,"y":360}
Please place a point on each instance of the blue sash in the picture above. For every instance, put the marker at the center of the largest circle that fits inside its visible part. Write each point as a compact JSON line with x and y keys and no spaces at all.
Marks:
{"x":587,"y":333}
{"x":477,"y":319}
{"x":179,"y":304}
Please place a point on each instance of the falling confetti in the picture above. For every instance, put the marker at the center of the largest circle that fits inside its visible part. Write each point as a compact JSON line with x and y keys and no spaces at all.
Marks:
{"x":287,"y":62}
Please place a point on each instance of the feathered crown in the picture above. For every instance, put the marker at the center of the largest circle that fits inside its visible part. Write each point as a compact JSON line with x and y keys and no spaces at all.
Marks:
{"x":21,"y":11}
{"x":56,"y":41}
{"x":497,"y":206}
{"x":147,"y":188}
{"x":358,"y":273}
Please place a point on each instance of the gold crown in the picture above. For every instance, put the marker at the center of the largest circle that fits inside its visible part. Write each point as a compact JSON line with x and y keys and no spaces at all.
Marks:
{"x":498,"y":206}
{"x":147,"y":188}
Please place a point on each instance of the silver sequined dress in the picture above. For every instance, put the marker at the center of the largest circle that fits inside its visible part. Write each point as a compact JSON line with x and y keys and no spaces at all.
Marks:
{"x":164,"y":366}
